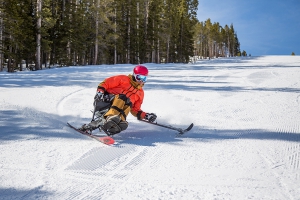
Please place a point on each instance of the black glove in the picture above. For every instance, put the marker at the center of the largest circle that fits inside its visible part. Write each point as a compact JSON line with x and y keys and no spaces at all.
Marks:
{"x":99,"y":94}
{"x":151,"y":117}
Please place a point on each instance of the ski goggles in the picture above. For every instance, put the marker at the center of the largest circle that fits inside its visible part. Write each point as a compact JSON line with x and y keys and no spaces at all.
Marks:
{"x":141,"y":78}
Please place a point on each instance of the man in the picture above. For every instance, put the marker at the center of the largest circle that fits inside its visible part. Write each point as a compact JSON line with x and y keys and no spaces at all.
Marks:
{"x":128,"y":97}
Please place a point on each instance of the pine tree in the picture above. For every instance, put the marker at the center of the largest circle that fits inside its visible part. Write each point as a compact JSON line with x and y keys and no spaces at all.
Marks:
{"x":236,"y":45}
{"x":68,"y":32}
{"x":1,"y":36}
{"x":18,"y":25}
{"x":244,"y":53}
{"x":214,"y":40}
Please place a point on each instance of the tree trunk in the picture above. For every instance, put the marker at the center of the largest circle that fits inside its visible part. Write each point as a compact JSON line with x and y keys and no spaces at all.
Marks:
{"x":9,"y":62}
{"x":97,"y":32}
{"x":146,"y":56}
{"x":158,"y":57}
{"x":128,"y":35}
{"x":181,"y":41}
{"x":38,"y":37}
{"x":137,"y":27}
{"x":1,"y":54}
{"x":9,"y":66}
{"x":168,"y":50}
{"x":153,"y":45}
{"x":115,"y":50}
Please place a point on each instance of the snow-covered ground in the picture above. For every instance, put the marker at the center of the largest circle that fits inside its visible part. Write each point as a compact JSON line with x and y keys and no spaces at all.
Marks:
{"x":245,"y":143}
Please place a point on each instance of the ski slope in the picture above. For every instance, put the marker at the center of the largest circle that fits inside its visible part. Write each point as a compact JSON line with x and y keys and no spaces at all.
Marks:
{"x":245,"y":143}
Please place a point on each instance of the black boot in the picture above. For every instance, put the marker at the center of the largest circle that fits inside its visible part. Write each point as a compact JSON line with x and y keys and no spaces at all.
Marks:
{"x":111,"y":124}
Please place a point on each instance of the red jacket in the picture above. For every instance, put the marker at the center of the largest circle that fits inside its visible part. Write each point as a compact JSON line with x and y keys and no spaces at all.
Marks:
{"x":122,"y":84}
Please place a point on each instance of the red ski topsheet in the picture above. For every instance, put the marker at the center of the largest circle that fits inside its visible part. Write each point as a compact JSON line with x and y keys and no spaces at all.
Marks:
{"x":104,"y":139}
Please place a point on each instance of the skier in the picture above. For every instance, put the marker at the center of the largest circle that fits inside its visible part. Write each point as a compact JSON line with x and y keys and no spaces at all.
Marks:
{"x":128,"y":97}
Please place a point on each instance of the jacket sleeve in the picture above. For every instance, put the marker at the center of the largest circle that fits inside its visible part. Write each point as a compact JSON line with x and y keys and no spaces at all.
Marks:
{"x":136,"y":109}
{"x":109,"y":82}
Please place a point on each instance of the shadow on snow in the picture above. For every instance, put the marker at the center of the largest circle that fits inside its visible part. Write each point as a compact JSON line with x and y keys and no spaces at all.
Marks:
{"x":254,"y":134}
{"x":167,"y":85}
{"x":86,"y":76}
{"x":12,"y":193}
{"x":26,"y":123}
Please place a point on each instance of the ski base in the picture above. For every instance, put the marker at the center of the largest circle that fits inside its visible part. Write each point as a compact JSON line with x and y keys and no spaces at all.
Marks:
{"x":103,"y":139}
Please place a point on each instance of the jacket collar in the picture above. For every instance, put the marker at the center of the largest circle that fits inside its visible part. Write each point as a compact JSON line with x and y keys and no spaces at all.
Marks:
{"x":134,"y":83}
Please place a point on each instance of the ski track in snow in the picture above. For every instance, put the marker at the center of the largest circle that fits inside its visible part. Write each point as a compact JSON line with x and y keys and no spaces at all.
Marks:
{"x":245,"y":143}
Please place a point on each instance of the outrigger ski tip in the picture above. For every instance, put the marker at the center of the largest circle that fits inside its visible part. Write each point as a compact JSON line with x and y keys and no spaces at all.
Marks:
{"x":188,"y":128}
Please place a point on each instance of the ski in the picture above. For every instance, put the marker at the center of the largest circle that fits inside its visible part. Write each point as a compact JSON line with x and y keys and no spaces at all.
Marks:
{"x":181,"y":131}
{"x":104,"y":139}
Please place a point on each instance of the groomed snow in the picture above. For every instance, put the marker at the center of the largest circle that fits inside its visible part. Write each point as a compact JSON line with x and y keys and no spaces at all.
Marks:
{"x":245,"y":143}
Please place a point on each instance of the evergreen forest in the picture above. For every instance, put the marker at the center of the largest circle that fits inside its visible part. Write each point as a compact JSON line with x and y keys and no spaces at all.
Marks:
{"x":38,"y":33}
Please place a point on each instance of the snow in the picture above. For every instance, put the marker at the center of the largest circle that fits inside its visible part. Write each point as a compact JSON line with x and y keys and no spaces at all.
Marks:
{"x":245,"y":143}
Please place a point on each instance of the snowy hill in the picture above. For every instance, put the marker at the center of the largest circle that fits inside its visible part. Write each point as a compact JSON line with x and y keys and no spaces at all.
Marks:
{"x":245,"y":143}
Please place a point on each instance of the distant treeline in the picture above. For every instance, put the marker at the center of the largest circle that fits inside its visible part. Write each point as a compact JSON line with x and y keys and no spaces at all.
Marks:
{"x":212,"y":40}
{"x":90,"y":32}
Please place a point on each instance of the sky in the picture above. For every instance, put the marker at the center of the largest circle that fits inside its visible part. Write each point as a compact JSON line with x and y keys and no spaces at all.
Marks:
{"x":263,"y":27}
